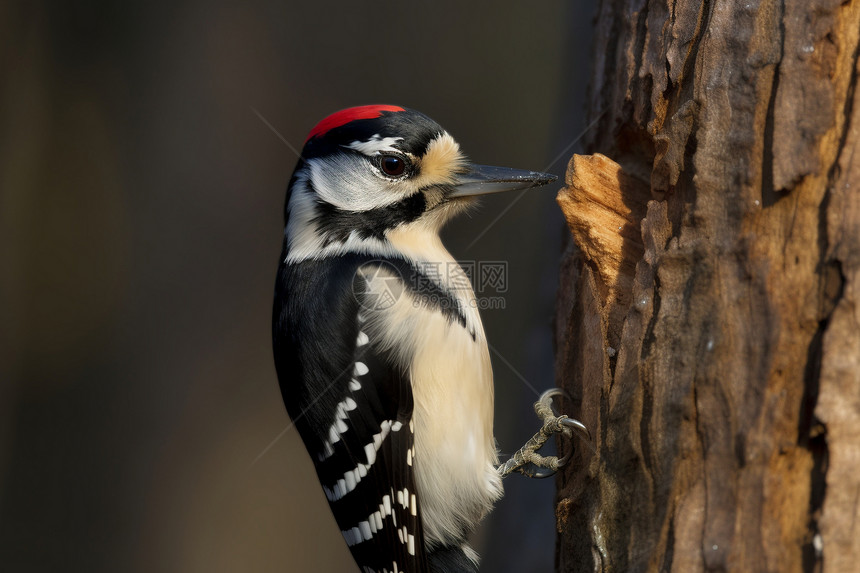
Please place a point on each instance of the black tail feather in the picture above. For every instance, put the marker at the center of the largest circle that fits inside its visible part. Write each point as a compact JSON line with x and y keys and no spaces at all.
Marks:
{"x":452,"y":560}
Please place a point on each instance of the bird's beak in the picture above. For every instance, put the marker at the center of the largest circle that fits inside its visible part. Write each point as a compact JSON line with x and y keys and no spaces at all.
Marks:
{"x":483,"y":179}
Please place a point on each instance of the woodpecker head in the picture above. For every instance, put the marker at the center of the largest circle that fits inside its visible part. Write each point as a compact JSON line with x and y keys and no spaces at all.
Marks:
{"x":382,"y":180}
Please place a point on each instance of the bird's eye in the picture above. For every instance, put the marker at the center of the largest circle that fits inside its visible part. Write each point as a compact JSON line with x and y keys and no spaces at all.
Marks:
{"x":392,"y":165}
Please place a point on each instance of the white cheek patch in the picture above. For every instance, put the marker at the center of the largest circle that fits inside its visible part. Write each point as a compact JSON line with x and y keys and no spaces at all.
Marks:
{"x":348,"y":182}
{"x":375,"y":145}
{"x":305,"y":242}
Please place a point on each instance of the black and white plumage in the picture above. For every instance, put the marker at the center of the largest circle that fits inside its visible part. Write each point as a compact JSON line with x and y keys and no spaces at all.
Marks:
{"x":383,"y":364}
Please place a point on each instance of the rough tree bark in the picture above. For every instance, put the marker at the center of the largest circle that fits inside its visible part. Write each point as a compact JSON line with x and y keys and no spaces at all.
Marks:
{"x":708,"y":321}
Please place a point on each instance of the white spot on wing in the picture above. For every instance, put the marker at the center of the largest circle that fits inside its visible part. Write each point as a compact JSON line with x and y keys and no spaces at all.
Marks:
{"x":364,"y":528}
{"x":378,"y":438}
{"x":360,"y":369}
{"x":370,"y":451}
{"x":349,"y":479}
{"x":339,"y":426}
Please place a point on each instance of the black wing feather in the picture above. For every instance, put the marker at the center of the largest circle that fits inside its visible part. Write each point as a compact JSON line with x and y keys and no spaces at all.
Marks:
{"x":353,"y":410}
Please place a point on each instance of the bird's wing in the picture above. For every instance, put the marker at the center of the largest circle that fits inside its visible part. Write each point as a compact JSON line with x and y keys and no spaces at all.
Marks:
{"x":367,"y":466}
{"x":353,"y":409}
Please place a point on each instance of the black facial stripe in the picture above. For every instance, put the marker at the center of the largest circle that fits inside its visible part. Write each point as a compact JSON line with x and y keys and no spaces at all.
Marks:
{"x":430,"y":295}
{"x":426,"y":292}
{"x":336,"y":224}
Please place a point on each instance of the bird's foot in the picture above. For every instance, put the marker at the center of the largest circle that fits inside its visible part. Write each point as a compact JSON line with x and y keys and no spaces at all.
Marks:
{"x":527,"y":460}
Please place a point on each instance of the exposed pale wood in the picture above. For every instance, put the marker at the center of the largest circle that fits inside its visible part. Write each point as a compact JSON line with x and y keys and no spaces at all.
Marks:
{"x":713,"y":345}
{"x":838,"y":406}
{"x":603,"y":205}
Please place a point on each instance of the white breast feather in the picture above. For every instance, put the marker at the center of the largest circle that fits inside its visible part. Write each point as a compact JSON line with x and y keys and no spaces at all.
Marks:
{"x":452,"y":385}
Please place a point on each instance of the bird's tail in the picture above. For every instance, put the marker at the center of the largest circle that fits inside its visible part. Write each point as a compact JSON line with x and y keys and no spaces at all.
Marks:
{"x":461,"y":559}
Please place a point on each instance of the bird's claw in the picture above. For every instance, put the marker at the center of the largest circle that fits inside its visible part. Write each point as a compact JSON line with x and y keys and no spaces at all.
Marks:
{"x":527,"y":460}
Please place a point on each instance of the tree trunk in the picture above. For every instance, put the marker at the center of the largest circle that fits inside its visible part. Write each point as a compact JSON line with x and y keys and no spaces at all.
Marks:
{"x":708,"y":321}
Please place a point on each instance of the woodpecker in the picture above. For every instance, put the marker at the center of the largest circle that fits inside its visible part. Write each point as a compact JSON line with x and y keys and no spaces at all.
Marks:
{"x":382,"y":360}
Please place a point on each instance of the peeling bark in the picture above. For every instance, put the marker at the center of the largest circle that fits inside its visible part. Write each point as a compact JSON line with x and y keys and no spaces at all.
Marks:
{"x":708,"y":320}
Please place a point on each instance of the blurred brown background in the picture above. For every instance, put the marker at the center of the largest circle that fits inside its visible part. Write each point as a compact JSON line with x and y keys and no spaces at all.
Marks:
{"x":141,"y":202}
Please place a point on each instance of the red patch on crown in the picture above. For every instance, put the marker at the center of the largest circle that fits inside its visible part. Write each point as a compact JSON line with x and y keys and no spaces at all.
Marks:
{"x":345,"y":116}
